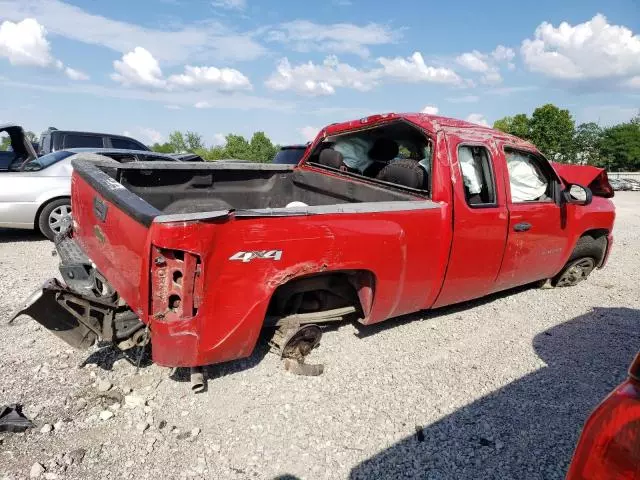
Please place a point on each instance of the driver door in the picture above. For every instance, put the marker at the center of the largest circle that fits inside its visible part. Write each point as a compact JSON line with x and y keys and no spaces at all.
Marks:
{"x":537,"y":239}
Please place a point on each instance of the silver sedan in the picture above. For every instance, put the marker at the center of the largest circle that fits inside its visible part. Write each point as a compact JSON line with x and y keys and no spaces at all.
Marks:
{"x":37,"y":193}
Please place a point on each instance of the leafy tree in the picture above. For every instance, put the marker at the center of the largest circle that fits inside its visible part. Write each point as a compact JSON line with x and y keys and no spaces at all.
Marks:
{"x":177,"y":142}
{"x":517,"y":125}
{"x":163,"y":147}
{"x":587,"y":143}
{"x":620,"y":146}
{"x":193,"y":141}
{"x":552,"y":131}
{"x":5,"y":142}
{"x":32,"y":137}
{"x":261,"y":149}
{"x":237,"y":147}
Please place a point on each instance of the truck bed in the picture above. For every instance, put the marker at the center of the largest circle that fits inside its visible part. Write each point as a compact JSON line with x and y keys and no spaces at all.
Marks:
{"x":176,"y":188}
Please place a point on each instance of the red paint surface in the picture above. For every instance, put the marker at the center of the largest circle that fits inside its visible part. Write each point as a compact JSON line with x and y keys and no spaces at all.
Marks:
{"x":417,"y":259}
{"x":609,"y":446}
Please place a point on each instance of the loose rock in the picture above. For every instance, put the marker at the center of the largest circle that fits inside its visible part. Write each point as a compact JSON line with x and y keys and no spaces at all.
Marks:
{"x":106,"y":415}
{"x":46,"y":428}
{"x":104,"y":385}
{"x":36,"y":470}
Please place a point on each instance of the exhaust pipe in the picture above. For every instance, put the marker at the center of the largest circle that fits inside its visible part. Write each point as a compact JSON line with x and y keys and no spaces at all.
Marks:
{"x":197,"y":380}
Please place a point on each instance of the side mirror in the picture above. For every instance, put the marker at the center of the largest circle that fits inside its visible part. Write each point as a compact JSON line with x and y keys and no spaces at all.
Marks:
{"x":577,"y":194}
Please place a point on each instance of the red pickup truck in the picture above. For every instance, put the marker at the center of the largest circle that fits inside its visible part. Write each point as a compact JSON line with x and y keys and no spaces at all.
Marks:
{"x":384,"y":216}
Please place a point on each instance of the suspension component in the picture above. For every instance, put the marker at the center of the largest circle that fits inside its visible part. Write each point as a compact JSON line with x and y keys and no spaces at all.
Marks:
{"x":293,"y":343}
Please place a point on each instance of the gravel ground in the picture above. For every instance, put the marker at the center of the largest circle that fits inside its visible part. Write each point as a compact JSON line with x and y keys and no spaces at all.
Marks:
{"x":496,"y":388}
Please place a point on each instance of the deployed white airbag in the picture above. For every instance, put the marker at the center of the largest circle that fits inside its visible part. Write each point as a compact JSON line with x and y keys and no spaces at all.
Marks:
{"x":527,"y":182}
{"x":471,"y":170}
{"x":355,"y":152}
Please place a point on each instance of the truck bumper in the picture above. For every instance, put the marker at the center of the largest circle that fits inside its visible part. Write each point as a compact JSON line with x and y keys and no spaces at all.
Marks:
{"x":44,"y":307}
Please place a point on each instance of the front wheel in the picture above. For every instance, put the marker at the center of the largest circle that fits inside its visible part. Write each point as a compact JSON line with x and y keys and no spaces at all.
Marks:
{"x":575,"y":272}
{"x":52,"y":217}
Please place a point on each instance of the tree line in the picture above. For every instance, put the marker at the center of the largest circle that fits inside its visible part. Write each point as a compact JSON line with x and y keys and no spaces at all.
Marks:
{"x":554,"y":132}
{"x":258,"y":149}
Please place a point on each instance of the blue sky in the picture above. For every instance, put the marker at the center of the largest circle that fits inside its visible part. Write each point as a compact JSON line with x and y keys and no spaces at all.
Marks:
{"x":148,"y":67}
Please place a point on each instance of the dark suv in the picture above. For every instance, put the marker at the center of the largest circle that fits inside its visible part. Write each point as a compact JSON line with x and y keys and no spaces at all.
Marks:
{"x":53,"y":140}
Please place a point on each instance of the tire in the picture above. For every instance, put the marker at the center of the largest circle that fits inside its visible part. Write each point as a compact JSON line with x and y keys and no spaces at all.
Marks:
{"x":585,"y":258}
{"x":51,"y":216}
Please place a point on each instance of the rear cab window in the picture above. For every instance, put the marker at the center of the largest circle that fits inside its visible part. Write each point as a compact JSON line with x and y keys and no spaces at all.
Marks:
{"x":477,"y":175}
{"x":74,"y":140}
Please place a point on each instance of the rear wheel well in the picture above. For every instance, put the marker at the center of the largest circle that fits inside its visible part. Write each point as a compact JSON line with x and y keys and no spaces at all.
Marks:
{"x":324,"y":291}
{"x":36,"y":220}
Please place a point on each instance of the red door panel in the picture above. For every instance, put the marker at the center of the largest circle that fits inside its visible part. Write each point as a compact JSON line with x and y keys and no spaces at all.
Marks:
{"x":537,"y":240}
{"x":479,"y":233}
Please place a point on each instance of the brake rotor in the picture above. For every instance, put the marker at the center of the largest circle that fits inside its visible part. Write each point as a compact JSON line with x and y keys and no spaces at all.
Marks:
{"x":298,"y":343}
{"x":294,"y":344}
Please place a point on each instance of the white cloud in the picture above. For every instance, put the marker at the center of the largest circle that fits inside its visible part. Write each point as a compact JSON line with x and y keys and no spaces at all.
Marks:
{"x":430,"y":110}
{"x":308,"y":132}
{"x":306,"y":36}
{"x":138,"y":67}
{"x":477,"y":118}
{"x":225,"y":79}
{"x":25,"y":43}
{"x":75,"y":74}
{"x":183,"y":98}
{"x":219,"y":139}
{"x":173,"y":107}
{"x":230,"y":4}
{"x":487,"y":63}
{"x":413,"y":69}
{"x":202,"y":104}
{"x":464,"y":99}
{"x":492,"y":77}
{"x":593,"y":50}
{"x":150,"y":136}
{"x":199,"y":41}
{"x":633,"y":82}
{"x":503,"y":54}
{"x":320,"y":79}
{"x":324,"y":79}
{"x":474,"y":61}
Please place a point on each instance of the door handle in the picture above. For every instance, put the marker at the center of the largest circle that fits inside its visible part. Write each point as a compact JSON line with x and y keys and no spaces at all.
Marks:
{"x":522,"y":227}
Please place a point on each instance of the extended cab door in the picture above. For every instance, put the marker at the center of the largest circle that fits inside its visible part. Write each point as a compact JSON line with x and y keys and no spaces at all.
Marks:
{"x":537,"y":239}
{"x":480,"y":219}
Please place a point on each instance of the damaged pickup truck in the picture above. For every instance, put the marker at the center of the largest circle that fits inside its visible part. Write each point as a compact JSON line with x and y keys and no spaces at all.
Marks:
{"x":384,"y":216}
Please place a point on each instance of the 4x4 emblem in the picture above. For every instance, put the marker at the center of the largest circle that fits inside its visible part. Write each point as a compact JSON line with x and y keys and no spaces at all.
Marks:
{"x":248,"y":256}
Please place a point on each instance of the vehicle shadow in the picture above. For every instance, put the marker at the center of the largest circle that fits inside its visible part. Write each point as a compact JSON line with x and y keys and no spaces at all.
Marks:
{"x":8,"y":235}
{"x":527,"y":429}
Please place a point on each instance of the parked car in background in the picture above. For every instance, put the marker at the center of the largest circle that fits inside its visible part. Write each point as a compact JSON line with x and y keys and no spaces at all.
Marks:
{"x":37,"y":193}
{"x":634,"y":185}
{"x":290,"y":154}
{"x":53,"y":140}
{"x":20,"y":149}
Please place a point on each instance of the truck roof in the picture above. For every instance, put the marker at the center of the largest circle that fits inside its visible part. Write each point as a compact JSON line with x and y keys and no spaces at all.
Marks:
{"x":432,"y":123}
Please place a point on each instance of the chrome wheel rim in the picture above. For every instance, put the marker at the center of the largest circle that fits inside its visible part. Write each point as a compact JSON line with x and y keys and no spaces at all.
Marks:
{"x":576,"y":272}
{"x":58,"y":216}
